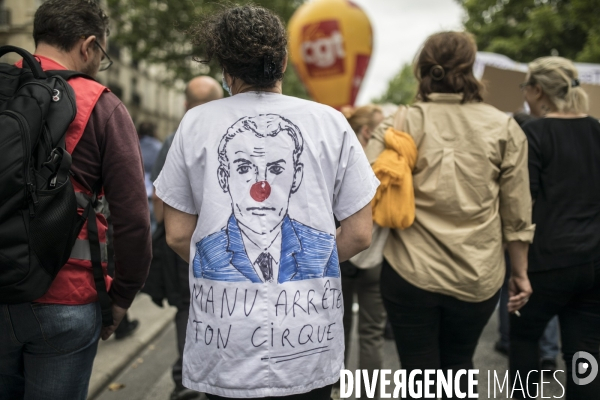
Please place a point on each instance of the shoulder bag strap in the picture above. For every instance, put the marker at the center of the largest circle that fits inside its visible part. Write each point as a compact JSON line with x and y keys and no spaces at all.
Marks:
{"x":400,"y":118}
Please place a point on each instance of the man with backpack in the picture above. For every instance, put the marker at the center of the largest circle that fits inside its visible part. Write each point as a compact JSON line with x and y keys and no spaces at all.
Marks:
{"x":55,"y":306}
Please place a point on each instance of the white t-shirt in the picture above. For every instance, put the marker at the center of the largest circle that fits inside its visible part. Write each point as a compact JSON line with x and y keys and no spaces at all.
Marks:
{"x":266,"y":174}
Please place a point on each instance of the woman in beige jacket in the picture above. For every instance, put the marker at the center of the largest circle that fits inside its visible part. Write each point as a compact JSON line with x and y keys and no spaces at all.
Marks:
{"x":442,"y":276}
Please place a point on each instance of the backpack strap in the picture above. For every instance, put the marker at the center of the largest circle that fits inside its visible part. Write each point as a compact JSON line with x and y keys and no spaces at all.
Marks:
{"x":66,"y":74}
{"x":85,"y":106}
{"x":87,"y":92}
{"x":96,"y":258}
{"x":400,"y":118}
{"x":377,"y":142}
{"x":28,"y":59}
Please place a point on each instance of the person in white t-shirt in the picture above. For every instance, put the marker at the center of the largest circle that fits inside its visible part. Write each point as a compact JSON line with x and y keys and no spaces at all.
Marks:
{"x":251,"y":185}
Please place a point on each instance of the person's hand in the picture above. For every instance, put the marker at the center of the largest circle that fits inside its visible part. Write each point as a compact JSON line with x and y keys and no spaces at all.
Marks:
{"x":118,"y":314}
{"x":519,"y":291}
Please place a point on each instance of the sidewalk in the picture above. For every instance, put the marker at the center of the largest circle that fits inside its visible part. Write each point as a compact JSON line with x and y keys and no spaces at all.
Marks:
{"x":114,"y":355}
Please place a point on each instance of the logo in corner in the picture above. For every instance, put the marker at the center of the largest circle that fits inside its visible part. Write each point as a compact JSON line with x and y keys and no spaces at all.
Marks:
{"x":55,"y":95}
{"x":578,"y":369}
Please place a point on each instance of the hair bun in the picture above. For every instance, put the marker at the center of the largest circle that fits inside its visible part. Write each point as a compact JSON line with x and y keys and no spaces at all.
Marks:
{"x":270,"y":68}
{"x":437,"y":72}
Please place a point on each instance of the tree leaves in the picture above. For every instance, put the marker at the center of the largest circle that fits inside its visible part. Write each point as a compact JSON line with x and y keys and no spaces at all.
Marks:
{"x":402,"y":89}
{"x":527,"y":29}
{"x":155,"y":32}
{"x":522,"y":30}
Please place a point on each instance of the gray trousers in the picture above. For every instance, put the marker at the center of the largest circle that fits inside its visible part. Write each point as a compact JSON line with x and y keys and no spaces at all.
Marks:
{"x":371,"y":316}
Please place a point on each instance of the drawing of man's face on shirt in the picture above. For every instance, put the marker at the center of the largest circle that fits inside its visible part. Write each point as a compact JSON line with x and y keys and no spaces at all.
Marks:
{"x":260,"y":169}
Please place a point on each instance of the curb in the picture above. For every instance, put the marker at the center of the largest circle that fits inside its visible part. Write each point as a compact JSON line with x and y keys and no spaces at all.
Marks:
{"x":115,"y":355}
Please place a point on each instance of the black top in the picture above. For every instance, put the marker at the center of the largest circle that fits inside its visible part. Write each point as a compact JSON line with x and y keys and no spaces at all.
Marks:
{"x":162,"y":157}
{"x":564,"y":170}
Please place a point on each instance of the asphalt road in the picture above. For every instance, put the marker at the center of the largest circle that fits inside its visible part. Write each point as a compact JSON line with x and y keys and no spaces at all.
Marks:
{"x":148,"y":377}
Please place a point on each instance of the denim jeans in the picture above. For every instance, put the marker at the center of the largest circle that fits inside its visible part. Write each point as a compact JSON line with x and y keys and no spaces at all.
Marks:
{"x":371,"y":317}
{"x":549,"y":341}
{"x":549,"y":347}
{"x":47,"y":350}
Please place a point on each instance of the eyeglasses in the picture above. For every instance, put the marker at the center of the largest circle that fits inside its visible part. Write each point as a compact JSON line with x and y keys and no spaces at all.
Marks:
{"x":106,"y":62}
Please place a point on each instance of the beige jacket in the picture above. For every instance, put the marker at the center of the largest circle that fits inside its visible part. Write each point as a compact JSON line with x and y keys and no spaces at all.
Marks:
{"x":471,"y":192}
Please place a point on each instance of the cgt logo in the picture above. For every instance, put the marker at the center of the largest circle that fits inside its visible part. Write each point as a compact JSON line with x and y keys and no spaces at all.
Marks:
{"x":323,"y":48}
{"x":581,"y":364}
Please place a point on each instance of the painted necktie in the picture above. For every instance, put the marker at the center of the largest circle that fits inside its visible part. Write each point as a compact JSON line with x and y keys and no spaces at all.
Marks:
{"x":265,"y":264}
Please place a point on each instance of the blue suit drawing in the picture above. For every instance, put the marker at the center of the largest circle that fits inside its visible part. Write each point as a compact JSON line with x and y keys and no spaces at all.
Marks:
{"x":306,"y":253}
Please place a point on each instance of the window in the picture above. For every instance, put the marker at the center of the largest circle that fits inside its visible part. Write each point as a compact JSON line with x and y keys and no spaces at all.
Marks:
{"x":5,"y":19}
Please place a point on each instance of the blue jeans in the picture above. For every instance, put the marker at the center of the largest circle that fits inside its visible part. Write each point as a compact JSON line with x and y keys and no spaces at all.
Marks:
{"x":47,"y":350}
{"x":549,"y":341}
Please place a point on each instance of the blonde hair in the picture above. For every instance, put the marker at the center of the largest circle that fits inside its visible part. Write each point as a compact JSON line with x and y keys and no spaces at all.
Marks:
{"x":362,"y":116}
{"x":558,"y":79}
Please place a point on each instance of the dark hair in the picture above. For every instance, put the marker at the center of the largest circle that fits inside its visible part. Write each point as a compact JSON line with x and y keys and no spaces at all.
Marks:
{"x":146,"y":129}
{"x":445,"y":65}
{"x":62,"y":23}
{"x":249,"y":42}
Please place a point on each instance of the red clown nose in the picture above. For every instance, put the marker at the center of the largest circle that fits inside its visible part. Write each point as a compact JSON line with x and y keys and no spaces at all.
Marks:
{"x":260,"y":191}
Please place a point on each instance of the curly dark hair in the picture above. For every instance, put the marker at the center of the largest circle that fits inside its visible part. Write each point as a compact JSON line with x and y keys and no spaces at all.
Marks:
{"x":249,"y":42}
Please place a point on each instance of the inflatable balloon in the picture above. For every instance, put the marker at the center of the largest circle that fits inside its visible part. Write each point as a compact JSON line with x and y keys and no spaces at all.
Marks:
{"x":330,"y":46}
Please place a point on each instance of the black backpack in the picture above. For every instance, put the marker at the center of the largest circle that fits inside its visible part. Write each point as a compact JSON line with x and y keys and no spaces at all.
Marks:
{"x":39,"y":222}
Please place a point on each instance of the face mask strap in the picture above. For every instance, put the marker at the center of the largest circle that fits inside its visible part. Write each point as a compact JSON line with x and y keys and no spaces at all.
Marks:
{"x":225,"y":85}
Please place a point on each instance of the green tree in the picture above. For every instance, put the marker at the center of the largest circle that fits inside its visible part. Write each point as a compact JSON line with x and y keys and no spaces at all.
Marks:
{"x":526,"y":29}
{"x":402,"y":88}
{"x":154,"y":31}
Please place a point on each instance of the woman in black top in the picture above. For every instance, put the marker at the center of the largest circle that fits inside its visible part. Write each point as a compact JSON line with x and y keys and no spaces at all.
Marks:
{"x":564,"y":260}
